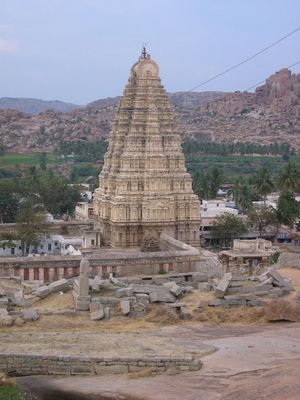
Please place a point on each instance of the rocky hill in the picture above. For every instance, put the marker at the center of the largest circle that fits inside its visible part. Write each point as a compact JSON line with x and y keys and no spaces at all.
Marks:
{"x":35,"y":106}
{"x":270,"y":114}
{"x":22,"y":132}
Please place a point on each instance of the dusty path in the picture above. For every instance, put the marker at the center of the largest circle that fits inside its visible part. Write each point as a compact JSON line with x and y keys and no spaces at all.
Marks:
{"x":251,"y":363}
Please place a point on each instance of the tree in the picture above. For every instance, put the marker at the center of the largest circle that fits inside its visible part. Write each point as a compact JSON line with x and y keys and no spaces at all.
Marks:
{"x":289,"y":177}
{"x":56,"y":195}
{"x":288,"y":208}
{"x":9,"y":201}
{"x":261,"y":218}
{"x":263,"y":183}
{"x":30,"y":225}
{"x":207,"y":185}
{"x":43,"y":161}
{"x":227,"y":227}
{"x":241,"y":194}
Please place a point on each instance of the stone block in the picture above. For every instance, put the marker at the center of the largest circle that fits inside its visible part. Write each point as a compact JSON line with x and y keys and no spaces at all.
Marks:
{"x":107,"y":300}
{"x":282,"y":310}
{"x":185,"y":314}
{"x":19,"y":321}
{"x":107,"y":312}
{"x":254,"y":303}
{"x":159,"y":280}
{"x":3,"y":302}
{"x":142,"y":298}
{"x":277,"y":291}
{"x":215,"y":302}
{"x":30,"y":315}
{"x":199,"y":277}
{"x":111,"y":369}
{"x":186,"y":289}
{"x":60,"y":285}
{"x":97,"y":315}
{"x":144,"y":288}
{"x":161,"y":294}
{"x":59,"y":370}
{"x":124,"y":292}
{"x":223,"y":285}
{"x":82,"y":370}
{"x":204,"y":286}
{"x":277,"y":277}
{"x":125,"y":306}
{"x":5,"y":320}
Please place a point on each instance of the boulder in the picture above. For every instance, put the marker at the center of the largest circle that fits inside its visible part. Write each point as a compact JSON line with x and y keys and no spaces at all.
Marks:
{"x":185,"y":314}
{"x":282,"y":310}
{"x":30,"y":315}
{"x":59,"y":286}
{"x":125,"y":306}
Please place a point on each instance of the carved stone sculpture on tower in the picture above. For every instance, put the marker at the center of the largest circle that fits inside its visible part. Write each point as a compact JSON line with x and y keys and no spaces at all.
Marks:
{"x":144,"y":188}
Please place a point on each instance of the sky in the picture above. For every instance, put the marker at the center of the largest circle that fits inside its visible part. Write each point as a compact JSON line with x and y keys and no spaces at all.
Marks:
{"x":82,"y":50}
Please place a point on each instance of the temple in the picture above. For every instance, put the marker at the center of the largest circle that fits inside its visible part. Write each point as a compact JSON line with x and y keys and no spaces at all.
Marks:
{"x":144,"y":188}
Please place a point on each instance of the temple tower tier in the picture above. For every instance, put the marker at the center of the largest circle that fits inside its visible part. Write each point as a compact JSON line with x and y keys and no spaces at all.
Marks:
{"x":144,"y":188}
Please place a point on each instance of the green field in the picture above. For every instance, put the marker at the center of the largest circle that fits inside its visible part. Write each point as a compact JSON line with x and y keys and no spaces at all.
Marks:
{"x":12,"y":393}
{"x":26,"y":159}
{"x":232,"y":166}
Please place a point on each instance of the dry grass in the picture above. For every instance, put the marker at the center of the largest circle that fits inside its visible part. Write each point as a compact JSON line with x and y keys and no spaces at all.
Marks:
{"x":6,"y":381}
{"x":144,"y":373}
{"x":241,"y":315}
{"x":55,"y":301}
{"x":162,"y":315}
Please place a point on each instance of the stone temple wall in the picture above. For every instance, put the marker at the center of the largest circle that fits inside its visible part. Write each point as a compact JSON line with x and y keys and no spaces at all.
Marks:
{"x":26,"y":365}
{"x":175,"y":256}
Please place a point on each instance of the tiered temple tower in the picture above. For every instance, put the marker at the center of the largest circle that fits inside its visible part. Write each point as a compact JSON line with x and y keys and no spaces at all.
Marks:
{"x":144,"y":188}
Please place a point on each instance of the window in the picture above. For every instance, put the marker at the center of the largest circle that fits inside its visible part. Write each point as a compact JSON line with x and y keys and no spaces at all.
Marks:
{"x":93,"y":242}
{"x":49,"y":246}
{"x":12,"y":250}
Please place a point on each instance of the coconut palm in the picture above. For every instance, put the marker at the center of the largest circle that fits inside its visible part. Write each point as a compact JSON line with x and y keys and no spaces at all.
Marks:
{"x":289,"y":177}
{"x":263,"y":183}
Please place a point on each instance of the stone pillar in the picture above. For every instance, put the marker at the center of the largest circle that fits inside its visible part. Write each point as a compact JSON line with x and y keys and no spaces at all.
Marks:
{"x":41,"y":271}
{"x":31,"y":274}
{"x":83,"y":298}
{"x":60,"y":273}
{"x":51,"y":274}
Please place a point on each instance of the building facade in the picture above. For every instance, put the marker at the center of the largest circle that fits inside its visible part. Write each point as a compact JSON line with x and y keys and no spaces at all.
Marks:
{"x":144,"y":188}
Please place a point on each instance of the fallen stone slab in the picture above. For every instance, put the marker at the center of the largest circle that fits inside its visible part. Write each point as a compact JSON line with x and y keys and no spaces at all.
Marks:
{"x":277,"y":291}
{"x":278,"y":279}
{"x":97,"y":314}
{"x":223,"y":285}
{"x":106,"y":300}
{"x":254,"y":303}
{"x":144,"y":288}
{"x":199,"y":277}
{"x":124,"y":292}
{"x":282,"y":310}
{"x":173,"y":288}
{"x":186,"y":289}
{"x":215,"y":302}
{"x":161,"y":294}
{"x":18,"y":299}
{"x":30,"y":315}
{"x":59,"y":286}
{"x":43,"y":291}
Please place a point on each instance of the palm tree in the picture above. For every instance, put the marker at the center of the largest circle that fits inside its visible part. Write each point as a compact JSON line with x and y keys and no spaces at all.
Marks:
{"x":241,"y":194}
{"x":263,"y":183}
{"x":289,"y":177}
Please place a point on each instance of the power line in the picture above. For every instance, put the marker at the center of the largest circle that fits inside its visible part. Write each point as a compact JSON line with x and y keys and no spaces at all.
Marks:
{"x":246,"y":60}
{"x":258,"y":83}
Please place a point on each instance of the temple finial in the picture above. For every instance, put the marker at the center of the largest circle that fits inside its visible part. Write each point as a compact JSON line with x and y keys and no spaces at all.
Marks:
{"x":144,"y":55}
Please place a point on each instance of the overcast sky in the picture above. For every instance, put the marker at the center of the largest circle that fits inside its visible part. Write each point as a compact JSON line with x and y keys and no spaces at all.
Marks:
{"x":82,"y":50}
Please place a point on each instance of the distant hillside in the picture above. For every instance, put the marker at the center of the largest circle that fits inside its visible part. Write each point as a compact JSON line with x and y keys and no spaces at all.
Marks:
{"x":35,"y":106}
{"x":270,"y":114}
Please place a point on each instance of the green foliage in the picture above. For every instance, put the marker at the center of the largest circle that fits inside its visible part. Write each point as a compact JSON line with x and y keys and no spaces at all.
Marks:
{"x":9,"y":200}
{"x":228,"y":227}
{"x":12,"y":393}
{"x":2,"y":150}
{"x":263,"y":183}
{"x":82,"y":150}
{"x":206,"y":185}
{"x":274,"y":258}
{"x":261,"y":218}
{"x":289,"y":177}
{"x":241,"y":194}
{"x":288,"y":209}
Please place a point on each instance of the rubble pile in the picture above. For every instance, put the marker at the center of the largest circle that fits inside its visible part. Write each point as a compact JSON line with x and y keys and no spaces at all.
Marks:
{"x":237,"y":291}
